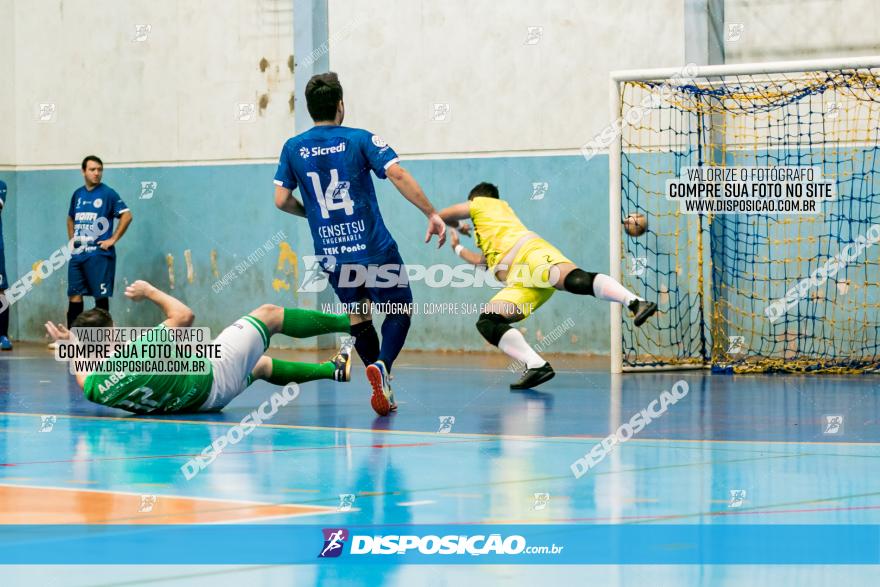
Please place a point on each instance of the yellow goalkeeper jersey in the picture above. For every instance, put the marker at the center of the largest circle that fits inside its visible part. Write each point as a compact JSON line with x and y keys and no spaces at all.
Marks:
{"x":496,"y":228}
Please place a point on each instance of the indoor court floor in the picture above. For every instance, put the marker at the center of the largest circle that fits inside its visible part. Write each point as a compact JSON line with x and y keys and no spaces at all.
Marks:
{"x":753,"y":449}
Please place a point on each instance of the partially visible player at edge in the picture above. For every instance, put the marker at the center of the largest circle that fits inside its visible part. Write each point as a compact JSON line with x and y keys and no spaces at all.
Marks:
{"x":5,"y":344}
{"x":92,"y":267}
{"x":331,"y":164}
{"x":217,"y":381}
{"x":509,"y":250}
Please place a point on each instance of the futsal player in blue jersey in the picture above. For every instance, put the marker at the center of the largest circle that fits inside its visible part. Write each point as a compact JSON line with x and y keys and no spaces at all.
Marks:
{"x":92,"y":267}
{"x":331,"y":165}
{"x":5,"y":344}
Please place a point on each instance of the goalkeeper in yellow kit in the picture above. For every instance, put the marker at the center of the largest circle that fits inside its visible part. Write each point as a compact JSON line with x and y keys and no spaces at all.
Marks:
{"x":532,"y":270}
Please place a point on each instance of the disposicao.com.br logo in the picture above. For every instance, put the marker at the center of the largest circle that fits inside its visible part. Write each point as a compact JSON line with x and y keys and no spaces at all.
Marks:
{"x":334,"y":540}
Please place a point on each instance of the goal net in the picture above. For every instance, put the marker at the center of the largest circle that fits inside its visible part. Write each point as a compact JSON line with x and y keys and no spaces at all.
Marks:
{"x":782,"y":274}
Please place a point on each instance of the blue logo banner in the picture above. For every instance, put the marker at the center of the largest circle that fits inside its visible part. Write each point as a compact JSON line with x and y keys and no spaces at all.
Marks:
{"x":438,"y":544}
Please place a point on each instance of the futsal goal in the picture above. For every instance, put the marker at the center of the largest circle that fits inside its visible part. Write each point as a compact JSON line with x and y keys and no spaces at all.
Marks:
{"x":760,"y":187}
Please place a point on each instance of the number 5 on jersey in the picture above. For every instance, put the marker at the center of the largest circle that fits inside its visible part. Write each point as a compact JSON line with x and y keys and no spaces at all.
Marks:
{"x":335,"y":197}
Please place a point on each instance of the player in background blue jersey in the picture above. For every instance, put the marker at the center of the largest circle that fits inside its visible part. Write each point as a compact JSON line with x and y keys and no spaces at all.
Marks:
{"x":5,"y":344}
{"x":92,"y":267}
{"x":331,"y":165}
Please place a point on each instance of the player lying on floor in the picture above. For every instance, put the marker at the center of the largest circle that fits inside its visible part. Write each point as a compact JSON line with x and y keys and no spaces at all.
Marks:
{"x":241,"y":357}
{"x":532,"y":270}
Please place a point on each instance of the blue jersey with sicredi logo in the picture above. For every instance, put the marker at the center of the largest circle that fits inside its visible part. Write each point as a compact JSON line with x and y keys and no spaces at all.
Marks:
{"x":86,"y":207}
{"x":331,"y":166}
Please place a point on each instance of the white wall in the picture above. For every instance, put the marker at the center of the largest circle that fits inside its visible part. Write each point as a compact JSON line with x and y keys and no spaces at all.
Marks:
{"x":172,"y":97}
{"x":396,"y":58}
{"x":802,"y":29}
{"x":7,"y":75}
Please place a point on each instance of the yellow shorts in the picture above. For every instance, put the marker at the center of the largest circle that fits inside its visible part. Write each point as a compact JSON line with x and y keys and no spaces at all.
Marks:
{"x":530,"y":277}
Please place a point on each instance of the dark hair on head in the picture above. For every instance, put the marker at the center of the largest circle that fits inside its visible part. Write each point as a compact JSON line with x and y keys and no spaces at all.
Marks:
{"x":94,"y":158}
{"x":484,"y":190}
{"x":323,"y":93}
{"x":94,"y":318}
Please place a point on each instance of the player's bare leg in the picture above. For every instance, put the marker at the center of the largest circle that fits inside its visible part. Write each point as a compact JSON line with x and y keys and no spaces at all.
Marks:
{"x":569,"y":277}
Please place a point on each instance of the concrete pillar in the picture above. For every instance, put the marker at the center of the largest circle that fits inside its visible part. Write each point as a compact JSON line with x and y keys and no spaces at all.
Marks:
{"x":704,"y":32}
{"x":311,"y":51}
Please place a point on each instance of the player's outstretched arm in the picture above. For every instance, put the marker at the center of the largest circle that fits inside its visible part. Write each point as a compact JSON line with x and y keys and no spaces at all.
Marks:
{"x":410,"y":189}
{"x":60,"y":332}
{"x":453,"y":216}
{"x":468,"y":255}
{"x":285,"y":202}
{"x":177,"y":314}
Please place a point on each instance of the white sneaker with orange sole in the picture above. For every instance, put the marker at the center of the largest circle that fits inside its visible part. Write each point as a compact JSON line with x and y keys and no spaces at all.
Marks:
{"x":383,"y":398}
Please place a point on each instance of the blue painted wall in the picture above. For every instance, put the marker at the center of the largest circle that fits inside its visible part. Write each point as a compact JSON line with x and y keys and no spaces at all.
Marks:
{"x":230,"y":209}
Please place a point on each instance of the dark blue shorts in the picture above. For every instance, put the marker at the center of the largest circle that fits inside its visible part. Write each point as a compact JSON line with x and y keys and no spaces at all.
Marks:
{"x":391,"y":291}
{"x":4,"y":280}
{"x":91,"y":274}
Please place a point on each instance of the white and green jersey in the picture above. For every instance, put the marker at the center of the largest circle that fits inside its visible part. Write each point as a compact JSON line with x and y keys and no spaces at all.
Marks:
{"x":146,"y":393}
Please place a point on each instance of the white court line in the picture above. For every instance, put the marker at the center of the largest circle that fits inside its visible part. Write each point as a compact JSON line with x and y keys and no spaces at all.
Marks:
{"x":563,"y":439}
{"x":408,"y":504}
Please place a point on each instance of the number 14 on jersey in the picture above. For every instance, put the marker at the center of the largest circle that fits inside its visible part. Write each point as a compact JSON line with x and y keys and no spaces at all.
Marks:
{"x":335,"y":197}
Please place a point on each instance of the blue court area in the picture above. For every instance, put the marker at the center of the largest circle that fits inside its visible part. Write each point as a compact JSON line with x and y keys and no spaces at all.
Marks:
{"x":734,"y":450}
